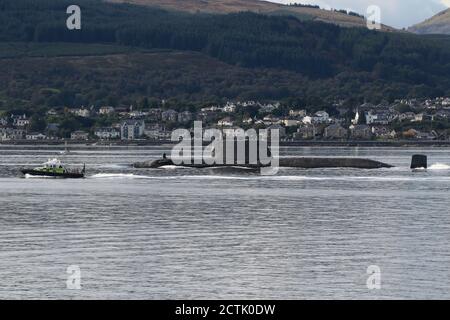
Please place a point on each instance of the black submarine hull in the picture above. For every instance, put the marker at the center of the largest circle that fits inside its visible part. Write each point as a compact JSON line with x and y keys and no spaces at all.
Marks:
{"x":301,"y":162}
{"x":68,"y":175}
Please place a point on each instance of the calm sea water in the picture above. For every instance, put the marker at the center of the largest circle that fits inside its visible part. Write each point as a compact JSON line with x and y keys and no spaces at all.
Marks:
{"x":221,"y":234}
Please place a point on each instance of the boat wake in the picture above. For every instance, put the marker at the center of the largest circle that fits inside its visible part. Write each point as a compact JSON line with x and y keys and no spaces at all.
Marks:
{"x":29,"y":176}
{"x":439,"y":166}
{"x":267,"y":178}
{"x":118,"y":176}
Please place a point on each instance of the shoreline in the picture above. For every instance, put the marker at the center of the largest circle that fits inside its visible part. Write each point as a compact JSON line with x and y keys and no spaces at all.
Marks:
{"x":308,"y":143}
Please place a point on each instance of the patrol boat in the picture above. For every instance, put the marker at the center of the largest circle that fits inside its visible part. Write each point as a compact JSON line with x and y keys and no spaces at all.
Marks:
{"x":55,"y":169}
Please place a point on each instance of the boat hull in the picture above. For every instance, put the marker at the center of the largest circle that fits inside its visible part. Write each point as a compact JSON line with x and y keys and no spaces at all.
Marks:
{"x":68,"y":175}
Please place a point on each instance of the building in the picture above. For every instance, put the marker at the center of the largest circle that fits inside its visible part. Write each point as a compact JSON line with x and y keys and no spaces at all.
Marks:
{"x":361,"y":132}
{"x":157,"y":132}
{"x":225,"y":122}
{"x":442,"y":114}
{"x":415,"y":134}
{"x":335,"y":131}
{"x":79,"y":135}
{"x":185,"y":117}
{"x":122,"y":111}
{"x":211,"y":109}
{"x":35,"y":136}
{"x":154,"y":114}
{"x":11,"y":134}
{"x":137,"y":114}
{"x":382,"y":117}
{"x":268,"y":107}
{"x":271,"y":119}
{"x":305,"y":132}
{"x":280,"y":128}
{"x":289,"y":122}
{"x":230,"y":108}
{"x":81,"y":112}
{"x":307,"y":120}
{"x":357,"y":118}
{"x":107,"y":110}
{"x":169,"y":116}
{"x":132,"y":129}
{"x":407,"y":116}
{"x":321,"y":117}
{"x":206,"y":116}
{"x":52,"y":112}
{"x":3,"y":121}
{"x":419,"y":117}
{"x":247,"y":120}
{"x":107,"y":133}
{"x":297,"y":113}
{"x":20,"y":121}
{"x":383,"y":132}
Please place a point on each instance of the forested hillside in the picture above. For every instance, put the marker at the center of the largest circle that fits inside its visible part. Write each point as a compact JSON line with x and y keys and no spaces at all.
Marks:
{"x":358,"y":62}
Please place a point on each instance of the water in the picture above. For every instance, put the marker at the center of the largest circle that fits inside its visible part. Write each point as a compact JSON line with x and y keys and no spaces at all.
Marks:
{"x":178,"y":233}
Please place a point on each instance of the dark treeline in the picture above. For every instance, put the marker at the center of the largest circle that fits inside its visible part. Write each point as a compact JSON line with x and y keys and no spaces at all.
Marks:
{"x":246,"y":39}
{"x":412,"y":65}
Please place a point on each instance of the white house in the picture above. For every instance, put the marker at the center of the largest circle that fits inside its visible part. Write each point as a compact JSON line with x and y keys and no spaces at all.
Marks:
{"x":229,"y":108}
{"x":35,"y":136}
{"x":418,"y":118}
{"x":79,"y":135}
{"x":247,"y":120}
{"x":407,"y":116}
{"x":81,"y":112}
{"x":321,"y":117}
{"x":137,"y":114}
{"x":211,"y":109}
{"x":20,"y":121}
{"x":290,"y":122}
{"x":297,"y":113}
{"x":107,"y":133}
{"x":225,"y":122}
{"x":11,"y":134}
{"x":106,"y":110}
{"x":307,"y":120}
{"x":269,"y":107}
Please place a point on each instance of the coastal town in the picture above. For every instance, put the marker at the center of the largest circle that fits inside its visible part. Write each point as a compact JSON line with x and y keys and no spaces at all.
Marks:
{"x":406,"y":119}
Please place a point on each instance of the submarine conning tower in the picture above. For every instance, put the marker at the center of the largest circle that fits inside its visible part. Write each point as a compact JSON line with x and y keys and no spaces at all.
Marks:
{"x":419,"y":161}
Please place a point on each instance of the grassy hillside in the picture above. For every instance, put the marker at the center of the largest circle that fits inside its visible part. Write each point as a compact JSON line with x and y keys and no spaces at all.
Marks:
{"x":258,"y":6}
{"x":438,"y":24}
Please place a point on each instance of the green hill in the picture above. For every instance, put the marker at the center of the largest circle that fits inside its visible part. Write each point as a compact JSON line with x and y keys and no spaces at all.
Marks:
{"x":236,"y":55}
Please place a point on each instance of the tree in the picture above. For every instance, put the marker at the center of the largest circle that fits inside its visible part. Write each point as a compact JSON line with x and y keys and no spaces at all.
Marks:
{"x":37,"y":123}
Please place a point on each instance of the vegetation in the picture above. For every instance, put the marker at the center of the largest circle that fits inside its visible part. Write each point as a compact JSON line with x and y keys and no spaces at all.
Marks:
{"x":262,"y":58}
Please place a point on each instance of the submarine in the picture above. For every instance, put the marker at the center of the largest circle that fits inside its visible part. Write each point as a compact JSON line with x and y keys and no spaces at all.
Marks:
{"x":55,"y":169}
